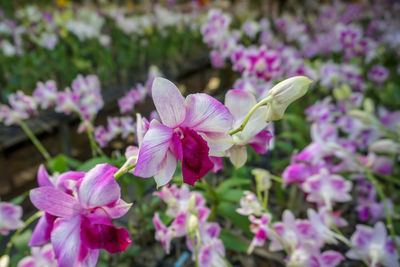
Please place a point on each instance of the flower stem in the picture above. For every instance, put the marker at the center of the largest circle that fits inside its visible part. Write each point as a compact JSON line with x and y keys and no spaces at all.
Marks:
{"x":20,"y":230}
{"x":247,"y":118}
{"x":35,"y":141}
{"x":125,"y":168}
{"x":93,"y":144}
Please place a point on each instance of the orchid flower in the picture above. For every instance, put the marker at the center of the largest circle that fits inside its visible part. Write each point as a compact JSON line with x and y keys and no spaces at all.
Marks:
{"x":82,"y":206}
{"x":239,"y":104}
{"x":191,"y":130}
{"x":325,"y":188}
{"x":10,"y":217}
{"x":375,"y":245}
{"x":40,"y":257}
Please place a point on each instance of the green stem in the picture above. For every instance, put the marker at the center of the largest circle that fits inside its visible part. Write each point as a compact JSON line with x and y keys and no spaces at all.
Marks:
{"x":125,"y":168}
{"x":93,"y":144}
{"x":35,"y":141}
{"x":247,"y":118}
{"x":20,"y":230}
{"x":340,"y":236}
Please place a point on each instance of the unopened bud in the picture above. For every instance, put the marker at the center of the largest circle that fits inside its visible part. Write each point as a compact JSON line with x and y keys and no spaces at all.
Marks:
{"x":4,"y":261}
{"x":263,"y":179}
{"x":283,"y":94}
{"x":385,"y":146}
{"x":192,"y":224}
{"x":192,"y":204}
{"x":360,"y":115}
{"x":369,"y":105}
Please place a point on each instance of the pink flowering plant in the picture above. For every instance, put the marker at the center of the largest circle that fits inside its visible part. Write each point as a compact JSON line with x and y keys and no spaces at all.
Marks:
{"x":289,"y":156}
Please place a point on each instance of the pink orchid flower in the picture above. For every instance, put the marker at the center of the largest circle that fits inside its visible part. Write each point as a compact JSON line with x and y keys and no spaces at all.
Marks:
{"x":326,"y":189}
{"x":374,"y":245}
{"x":83,"y":208}
{"x":239,"y":103}
{"x":192,"y":130}
{"x":40,"y":257}
{"x":10,"y":217}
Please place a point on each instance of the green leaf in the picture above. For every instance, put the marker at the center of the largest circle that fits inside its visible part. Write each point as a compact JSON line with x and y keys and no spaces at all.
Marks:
{"x":73,"y":163}
{"x":228,"y":210}
{"x":232,"y":182}
{"x":59,"y":164}
{"x":232,"y":242}
{"x":21,"y":241}
{"x":18,"y":200}
{"x":232,"y":195}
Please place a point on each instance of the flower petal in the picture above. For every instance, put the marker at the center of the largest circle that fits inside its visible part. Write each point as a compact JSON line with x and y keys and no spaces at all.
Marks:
{"x":55,"y":202}
{"x":117,"y":209}
{"x":196,"y":162}
{"x":261,"y":142}
{"x":239,"y":103}
{"x":99,"y":187}
{"x":255,"y":124}
{"x":238,"y":155}
{"x":101,"y":236}
{"x":218,"y":143}
{"x":66,"y":242}
{"x":167,"y":171}
{"x":206,"y":114}
{"x":41,"y":233}
{"x":153,"y":150}
{"x":43,"y":177}
{"x":169,"y":102}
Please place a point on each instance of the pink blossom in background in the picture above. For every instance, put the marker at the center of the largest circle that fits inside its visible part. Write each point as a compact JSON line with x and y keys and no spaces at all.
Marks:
{"x":374,"y":244}
{"x":21,"y":107}
{"x":40,"y":257}
{"x":10,"y":217}
{"x":46,"y":94}
{"x":326,"y":189}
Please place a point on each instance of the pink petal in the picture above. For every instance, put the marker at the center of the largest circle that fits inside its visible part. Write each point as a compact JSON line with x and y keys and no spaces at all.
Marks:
{"x":55,"y":202}
{"x":239,"y":103}
{"x":117,"y":209}
{"x":101,"y":236}
{"x":169,"y":102}
{"x":196,"y":162}
{"x":99,"y":187}
{"x":66,"y":242}
{"x":331,"y":258}
{"x":260,"y":142}
{"x":206,"y":114}
{"x":43,"y":177}
{"x":27,"y":262}
{"x":42,"y":232}
{"x":255,"y":125}
{"x":153,"y":150}
{"x":67,"y":181}
{"x":167,"y":170}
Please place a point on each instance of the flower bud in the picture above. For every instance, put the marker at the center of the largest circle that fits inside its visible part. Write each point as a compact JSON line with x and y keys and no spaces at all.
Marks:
{"x":192,"y":204}
{"x":385,"y":146}
{"x":4,"y":261}
{"x":363,"y":116}
{"x":283,"y":94}
{"x":263,"y":179}
{"x":192,"y":224}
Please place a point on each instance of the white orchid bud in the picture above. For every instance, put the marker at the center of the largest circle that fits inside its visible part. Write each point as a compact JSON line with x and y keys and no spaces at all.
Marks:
{"x":385,"y":146}
{"x":263,"y":179}
{"x":192,"y":224}
{"x":283,"y":94}
{"x":192,"y":204}
{"x":4,"y":261}
{"x":363,"y":116}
